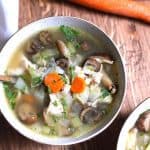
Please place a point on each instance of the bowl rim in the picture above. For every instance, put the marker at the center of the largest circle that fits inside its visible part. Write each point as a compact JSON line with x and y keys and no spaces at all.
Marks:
{"x":115,"y":114}
{"x":125,"y":128}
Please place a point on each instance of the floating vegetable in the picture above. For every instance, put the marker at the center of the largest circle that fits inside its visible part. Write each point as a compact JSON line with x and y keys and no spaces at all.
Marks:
{"x":54,"y":81}
{"x":78,"y":85}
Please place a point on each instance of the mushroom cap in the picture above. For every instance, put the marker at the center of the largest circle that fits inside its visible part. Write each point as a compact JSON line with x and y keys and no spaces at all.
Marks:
{"x":90,"y":115}
{"x":85,"y":46}
{"x":45,"y":38}
{"x":27,"y":113}
{"x":90,"y":62}
{"x":63,"y":63}
{"x":113,"y":89}
{"x":143,"y":123}
{"x":26,"y":109}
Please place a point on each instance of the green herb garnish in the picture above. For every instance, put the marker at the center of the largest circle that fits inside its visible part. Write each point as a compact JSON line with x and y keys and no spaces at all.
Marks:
{"x":11,"y":94}
{"x":64,"y":79}
{"x":36,"y":81}
{"x":70,"y":33}
{"x":49,"y":90}
{"x":105,"y":93}
{"x":71,"y":72}
{"x":55,"y":103}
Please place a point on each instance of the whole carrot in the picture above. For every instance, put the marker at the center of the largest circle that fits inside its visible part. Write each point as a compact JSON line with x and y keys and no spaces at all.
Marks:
{"x":129,"y":8}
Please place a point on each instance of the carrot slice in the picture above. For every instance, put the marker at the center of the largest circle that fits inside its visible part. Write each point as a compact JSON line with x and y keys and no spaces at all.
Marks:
{"x":78,"y":85}
{"x":54,"y":81}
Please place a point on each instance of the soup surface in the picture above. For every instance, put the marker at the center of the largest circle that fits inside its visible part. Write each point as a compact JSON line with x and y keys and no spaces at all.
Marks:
{"x":60,"y":83}
{"x":139,"y":136}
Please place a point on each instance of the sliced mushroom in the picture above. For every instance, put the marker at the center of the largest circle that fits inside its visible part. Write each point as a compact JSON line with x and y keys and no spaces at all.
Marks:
{"x":90,"y":115}
{"x":6,"y":78}
{"x":45,"y":38}
{"x":93,"y":64}
{"x":103,"y":59}
{"x":34,"y":47}
{"x":108,"y":83}
{"x":77,"y":107}
{"x":39,"y":42}
{"x":62,"y":48}
{"x":26,"y":109}
{"x":143,"y":123}
{"x":63,"y":63}
{"x":102,"y":108}
{"x":27,"y":113}
{"x":84,"y":46}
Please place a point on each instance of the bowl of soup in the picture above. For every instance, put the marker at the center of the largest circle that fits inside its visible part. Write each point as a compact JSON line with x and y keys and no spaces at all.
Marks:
{"x":62,"y":81}
{"x":135,"y":134}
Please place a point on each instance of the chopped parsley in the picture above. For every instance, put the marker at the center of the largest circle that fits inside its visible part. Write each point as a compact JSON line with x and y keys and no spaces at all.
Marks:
{"x":64,"y":79}
{"x":36,"y":81}
{"x":71,"y":72}
{"x":105,"y":93}
{"x":55,"y":103}
{"x":11,"y":93}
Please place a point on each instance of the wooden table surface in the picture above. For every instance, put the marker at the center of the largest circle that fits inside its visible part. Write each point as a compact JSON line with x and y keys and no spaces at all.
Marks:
{"x":133,"y":39}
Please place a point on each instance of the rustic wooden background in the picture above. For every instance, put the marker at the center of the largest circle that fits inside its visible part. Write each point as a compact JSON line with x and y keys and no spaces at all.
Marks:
{"x":133,"y":39}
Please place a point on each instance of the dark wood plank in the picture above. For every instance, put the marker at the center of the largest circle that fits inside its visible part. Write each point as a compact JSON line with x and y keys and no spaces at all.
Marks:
{"x":133,"y":39}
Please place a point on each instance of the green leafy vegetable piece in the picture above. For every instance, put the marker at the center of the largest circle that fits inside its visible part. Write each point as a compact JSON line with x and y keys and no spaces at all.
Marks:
{"x":77,"y":45}
{"x":71,"y":48}
{"x":36,"y":81}
{"x":49,"y":90}
{"x":105,"y":93}
{"x":43,"y":57}
{"x":70,"y":33}
{"x":26,"y":77}
{"x":11,"y":94}
{"x":64,"y":79}
{"x":71,"y":72}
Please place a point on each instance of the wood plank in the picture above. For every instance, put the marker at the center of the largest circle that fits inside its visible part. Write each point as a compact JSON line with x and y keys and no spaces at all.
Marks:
{"x":133,"y":38}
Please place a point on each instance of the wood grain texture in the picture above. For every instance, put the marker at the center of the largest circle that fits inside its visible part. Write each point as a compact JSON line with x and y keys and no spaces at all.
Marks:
{"x":133,"y":39}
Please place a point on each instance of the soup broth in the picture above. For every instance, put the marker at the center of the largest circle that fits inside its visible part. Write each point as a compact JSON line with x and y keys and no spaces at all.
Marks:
{"x":62,"y":83}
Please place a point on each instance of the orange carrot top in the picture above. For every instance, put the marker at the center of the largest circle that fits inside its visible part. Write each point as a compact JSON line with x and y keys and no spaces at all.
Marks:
{"x":78,"y":85}
{"x":54,"y":81}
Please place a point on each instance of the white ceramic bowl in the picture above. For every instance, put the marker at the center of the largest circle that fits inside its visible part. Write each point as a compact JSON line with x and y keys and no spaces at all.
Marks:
{"x":130,"y":122}
{"x":107,"y":46}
